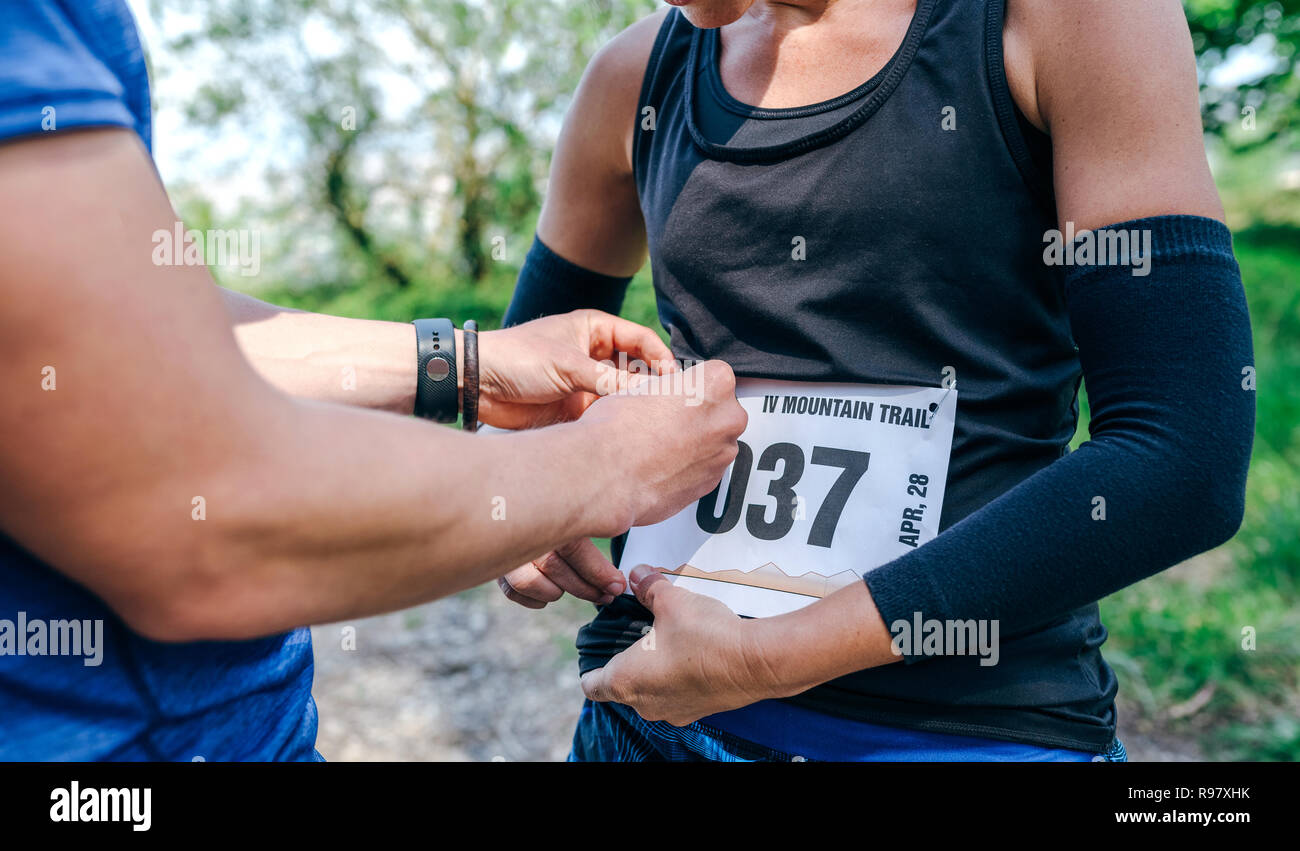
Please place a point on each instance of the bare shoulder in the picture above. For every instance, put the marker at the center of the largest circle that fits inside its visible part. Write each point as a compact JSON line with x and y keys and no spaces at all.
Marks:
{"x":1058,"y":48}
{"x":1115,"y":84}
{"x":611,"y":85}
{"x":622,"y":60}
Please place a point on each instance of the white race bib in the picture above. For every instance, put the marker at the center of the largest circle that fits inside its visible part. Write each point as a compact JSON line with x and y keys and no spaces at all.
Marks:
{"x":832,"y":480}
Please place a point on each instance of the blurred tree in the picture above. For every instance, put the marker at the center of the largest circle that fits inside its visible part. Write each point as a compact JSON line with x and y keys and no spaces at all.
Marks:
{"x":404,"y":119}
{"x":1263,"y":104}
{"x":421,"y":129}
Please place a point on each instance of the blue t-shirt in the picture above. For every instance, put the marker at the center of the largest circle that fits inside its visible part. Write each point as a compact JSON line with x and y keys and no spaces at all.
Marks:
{"x":75,"y":682}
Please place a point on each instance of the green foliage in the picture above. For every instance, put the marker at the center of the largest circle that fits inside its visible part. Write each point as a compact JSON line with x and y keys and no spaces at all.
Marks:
{"x":398,"y":128}
{"x":1270,"y":538}
{"x":1222,"y":28}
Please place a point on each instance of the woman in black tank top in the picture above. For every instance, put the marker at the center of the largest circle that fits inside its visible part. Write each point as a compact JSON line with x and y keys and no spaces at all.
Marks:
{"x":805,"y":225}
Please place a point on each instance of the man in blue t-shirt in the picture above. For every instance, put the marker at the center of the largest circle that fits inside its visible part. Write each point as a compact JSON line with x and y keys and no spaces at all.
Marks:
{"x":175,"y":500}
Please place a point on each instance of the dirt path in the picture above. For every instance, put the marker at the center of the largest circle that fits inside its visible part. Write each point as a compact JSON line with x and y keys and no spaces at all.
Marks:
{"x":475,"y":677}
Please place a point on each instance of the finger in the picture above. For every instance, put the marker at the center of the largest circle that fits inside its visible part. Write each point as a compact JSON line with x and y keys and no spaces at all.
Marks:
{"x":584,"y":374}
{"x":514,"y":416}
{"x":515,"y":597}
{"x":611,"y":334}
{"x":557,"y":568}
{"x":596,"y":684}
{"x":592,"y":566}
{"x":573,"y":406}
{"x":528,"y":584}
{"x":650,"y":584}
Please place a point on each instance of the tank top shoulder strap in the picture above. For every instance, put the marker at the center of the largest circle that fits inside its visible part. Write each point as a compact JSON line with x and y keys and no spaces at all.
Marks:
{"x":963,"y":55}
{"x":668,"y":60}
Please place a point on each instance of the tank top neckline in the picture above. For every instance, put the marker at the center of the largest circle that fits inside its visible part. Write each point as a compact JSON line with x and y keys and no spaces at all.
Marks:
{"x":703,"y":58}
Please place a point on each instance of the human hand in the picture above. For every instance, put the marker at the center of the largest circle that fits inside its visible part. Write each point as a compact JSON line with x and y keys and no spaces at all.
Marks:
{"x":698,"y":659}
{"x":551,"y":369}
{"x":669,"y":438}
{"x":579,"y":568}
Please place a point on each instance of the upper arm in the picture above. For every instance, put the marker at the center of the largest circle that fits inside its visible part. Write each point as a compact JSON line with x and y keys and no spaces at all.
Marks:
{"x":592,"y":216}
{"x":1115,"y":83}
{"x":124,"y":390}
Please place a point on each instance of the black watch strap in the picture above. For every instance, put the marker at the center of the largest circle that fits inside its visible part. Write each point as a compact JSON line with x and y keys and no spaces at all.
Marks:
{"x":436,"y":396}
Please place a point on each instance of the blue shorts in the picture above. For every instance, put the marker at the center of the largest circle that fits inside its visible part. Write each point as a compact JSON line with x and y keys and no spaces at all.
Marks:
{"x":612,"y":732}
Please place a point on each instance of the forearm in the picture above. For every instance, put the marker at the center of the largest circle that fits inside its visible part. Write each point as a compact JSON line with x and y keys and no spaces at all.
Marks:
{"x":148,"y":462}
{"x":321,"y":513}
{"x":1022,"y":560}
{"x":549,"y":284}
{"x":360,"y":362}
{"x":1162,"y":479}
{"x":834,"y":636}
{"x":1167,"y":360}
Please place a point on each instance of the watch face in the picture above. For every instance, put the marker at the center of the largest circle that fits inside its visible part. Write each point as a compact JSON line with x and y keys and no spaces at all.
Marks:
{"x":437,"y":368}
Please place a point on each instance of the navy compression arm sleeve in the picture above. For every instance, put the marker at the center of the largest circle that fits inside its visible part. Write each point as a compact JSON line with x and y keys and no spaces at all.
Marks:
{"x":1165,"y":360}
{"x":549,"y":284}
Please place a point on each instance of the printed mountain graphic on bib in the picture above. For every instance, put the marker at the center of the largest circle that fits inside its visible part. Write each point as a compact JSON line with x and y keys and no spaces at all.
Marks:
{"x":810,"y":584}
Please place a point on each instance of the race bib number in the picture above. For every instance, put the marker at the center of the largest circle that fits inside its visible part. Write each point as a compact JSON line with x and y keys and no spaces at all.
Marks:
{"x":831,"y":480}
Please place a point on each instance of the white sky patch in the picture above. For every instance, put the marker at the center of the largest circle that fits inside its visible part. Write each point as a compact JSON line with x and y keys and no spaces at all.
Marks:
{"x":237,"y":161}
{"x":323,"y":42}
{"x":515,"y":57}
{"x":1245,"y":63}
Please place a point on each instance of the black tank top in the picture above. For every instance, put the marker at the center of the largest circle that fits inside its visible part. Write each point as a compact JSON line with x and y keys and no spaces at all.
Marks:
{"x":919,"y":202}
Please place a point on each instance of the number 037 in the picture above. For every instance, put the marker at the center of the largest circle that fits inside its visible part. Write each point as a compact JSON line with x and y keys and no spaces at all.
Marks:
{"x":853,"y":465}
